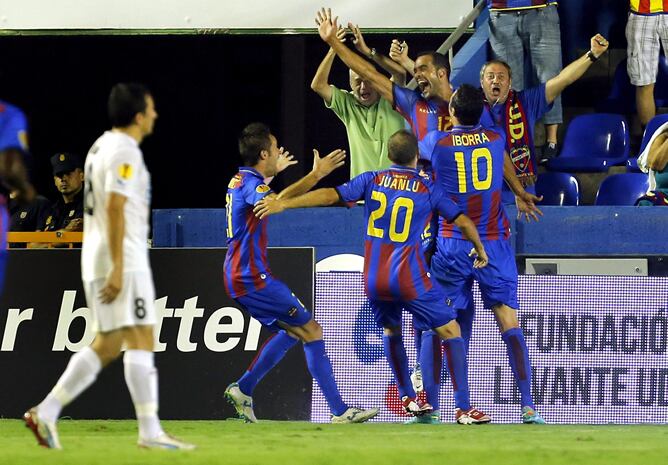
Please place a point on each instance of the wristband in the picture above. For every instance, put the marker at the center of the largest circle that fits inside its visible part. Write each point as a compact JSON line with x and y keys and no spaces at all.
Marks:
{"x":593,"y":58}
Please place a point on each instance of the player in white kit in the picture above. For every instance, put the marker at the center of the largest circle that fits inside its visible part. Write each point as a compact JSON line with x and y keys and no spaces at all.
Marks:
{"x":116,"y":273}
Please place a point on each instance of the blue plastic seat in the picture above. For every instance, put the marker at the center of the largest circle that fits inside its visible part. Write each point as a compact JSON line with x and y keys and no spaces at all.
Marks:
{"x":652,"y":126}
{"x":622,"y":98}
{"x":558,"y":189}
{"x":622,"y":189}
{"x":593,"y":143}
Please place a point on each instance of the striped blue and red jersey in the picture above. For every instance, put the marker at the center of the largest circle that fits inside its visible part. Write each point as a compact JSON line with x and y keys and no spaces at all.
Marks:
{"x":399,"y":204}
{"x":423,"y":115}
{"x":505,"y":5}
{"x":468,"y":166}
{"x":246,"y":268}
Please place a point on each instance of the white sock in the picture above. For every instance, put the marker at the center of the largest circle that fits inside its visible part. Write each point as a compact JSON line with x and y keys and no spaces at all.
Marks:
{"x":80,"y":373}
{"x":141,"y":377}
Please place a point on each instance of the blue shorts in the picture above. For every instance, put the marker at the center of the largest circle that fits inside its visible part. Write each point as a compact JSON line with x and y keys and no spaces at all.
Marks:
{"x":273,"y":303}
{"x":452,"y":267}
{"x":430,"y":310}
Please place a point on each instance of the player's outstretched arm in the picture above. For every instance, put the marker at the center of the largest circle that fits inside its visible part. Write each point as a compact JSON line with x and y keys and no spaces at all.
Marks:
{"x":115,"y":208}
{"x":396,"y":71}
{"x":327,"y":28}
{"x":317,"y":198}
{"x":321,"y":168}
{"x":320,"y":83}
{"x":575,"y":70}
{"x":470,"y":232}
{"x":399,"y":54}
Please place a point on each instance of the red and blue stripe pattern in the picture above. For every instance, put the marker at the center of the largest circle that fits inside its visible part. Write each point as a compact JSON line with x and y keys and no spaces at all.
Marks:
{"x":399,"y":205}
{"x":246,"y":268}
{"x":422,"y":115}
{"x":468,"y":166}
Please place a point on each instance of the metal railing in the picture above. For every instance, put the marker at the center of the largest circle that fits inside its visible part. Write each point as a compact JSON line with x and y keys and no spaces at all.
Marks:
{"x":50,"y":238}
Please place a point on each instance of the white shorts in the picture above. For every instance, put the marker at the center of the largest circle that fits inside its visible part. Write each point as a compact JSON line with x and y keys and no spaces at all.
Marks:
{"x":134,"y":306}
{"x":643,"y":35}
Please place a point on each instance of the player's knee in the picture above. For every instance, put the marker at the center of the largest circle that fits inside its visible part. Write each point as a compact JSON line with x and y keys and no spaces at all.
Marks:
{"x":106,"y":354}
{"x":506,"y":317}
{"x":449,"y":330}
{"x":392,"y":331}
{"x":312,"y":331}
{"x":107,"y":347}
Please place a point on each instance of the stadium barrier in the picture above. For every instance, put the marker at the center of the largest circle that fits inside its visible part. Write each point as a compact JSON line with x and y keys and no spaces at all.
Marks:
{"x":204,"y":341}
{"x":69,"y":238}
{"x":598,"y":347}
{"x":565,"y":231}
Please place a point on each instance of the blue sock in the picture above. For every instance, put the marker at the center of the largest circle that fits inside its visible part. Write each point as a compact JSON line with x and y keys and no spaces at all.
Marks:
{"x":271,"y":352}
{"x":321,"y":370}
{"x":455,"y":354}
{"x":518,"y":355}
{"x":395,"y":352}
{"x":417,"y":341}
{"x":465,"y":318}
{"x":431,"y":361}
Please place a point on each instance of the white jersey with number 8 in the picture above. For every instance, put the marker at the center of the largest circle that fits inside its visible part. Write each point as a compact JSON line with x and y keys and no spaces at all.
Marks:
{"x":115,"y":164}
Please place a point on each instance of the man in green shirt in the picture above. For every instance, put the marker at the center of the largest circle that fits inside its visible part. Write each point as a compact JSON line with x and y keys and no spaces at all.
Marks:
{"x":369,"y":119}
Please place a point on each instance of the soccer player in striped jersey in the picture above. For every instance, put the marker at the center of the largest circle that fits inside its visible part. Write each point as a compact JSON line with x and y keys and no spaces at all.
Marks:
{"x":249,"y":281}
{"x":469,"y":163}
{"x":425,"y":108}
{"x":399,"y":204}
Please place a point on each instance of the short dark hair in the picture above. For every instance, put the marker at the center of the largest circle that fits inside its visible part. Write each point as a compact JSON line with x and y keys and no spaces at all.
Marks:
{"x":439,"y":60}
{"x":402,"y":147}
{"x":253,"y":139}
{"x":467,"y":101}
{"x":496,"y":62}
{"x":126,"y":99}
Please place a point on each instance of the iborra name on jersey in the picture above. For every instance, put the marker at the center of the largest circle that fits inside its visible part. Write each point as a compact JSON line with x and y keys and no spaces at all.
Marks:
{"x":469,"y":139}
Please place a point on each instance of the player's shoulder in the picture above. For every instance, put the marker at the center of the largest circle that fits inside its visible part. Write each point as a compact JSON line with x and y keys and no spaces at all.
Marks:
{"x":248,"y":180}
{"x":114,"y":145}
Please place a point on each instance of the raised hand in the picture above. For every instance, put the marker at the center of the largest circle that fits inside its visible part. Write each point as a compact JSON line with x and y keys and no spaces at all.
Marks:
{"x":327,"y":26}
{"x":599,"y":45}
{"x":284,"y":160}
{"x":358,"y":40}
{"x":325,"y":165}
{"x":399,"y":51}
{"x":341,"y":34}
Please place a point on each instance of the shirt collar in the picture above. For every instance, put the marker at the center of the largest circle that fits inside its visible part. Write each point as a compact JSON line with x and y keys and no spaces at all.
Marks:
{"x":253,"y":171}
{"x":403,"y":168}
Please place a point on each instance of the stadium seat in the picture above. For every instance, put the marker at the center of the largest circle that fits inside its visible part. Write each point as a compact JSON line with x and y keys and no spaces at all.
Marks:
{"x":622,"y":98}
{"x":632,"y":165}
{"x":593,"y":143}
{"x":622,"y":189}
{"x":558,"y":189}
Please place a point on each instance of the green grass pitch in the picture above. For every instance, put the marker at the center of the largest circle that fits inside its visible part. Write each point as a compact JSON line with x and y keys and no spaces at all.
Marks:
{"x":296,"y":443}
